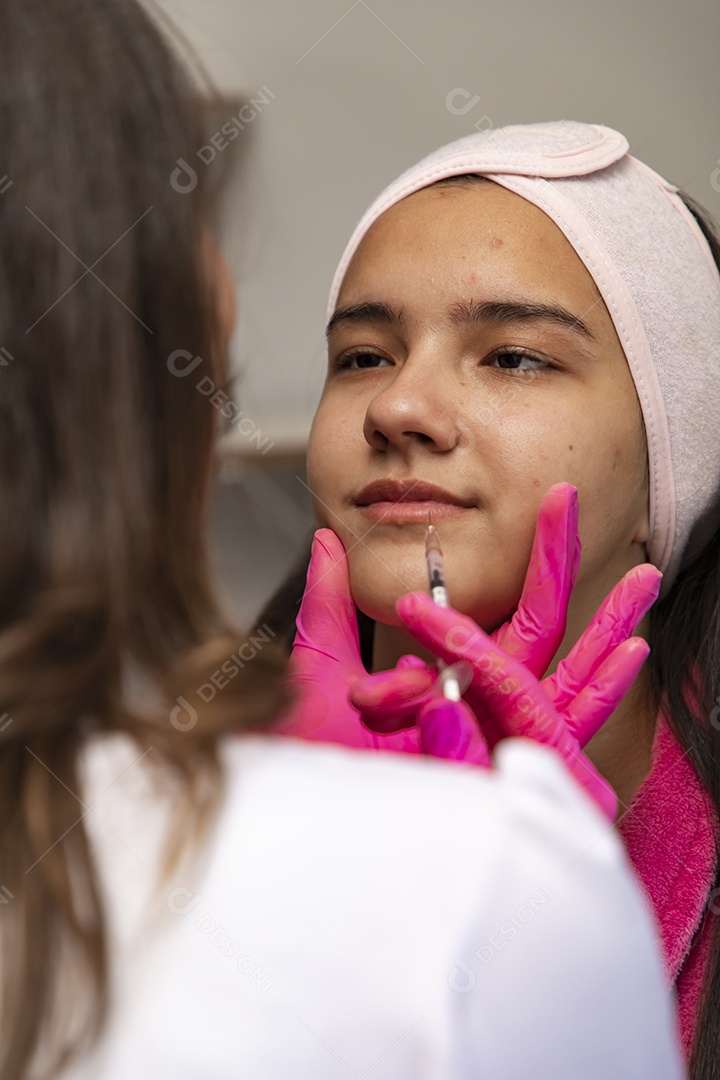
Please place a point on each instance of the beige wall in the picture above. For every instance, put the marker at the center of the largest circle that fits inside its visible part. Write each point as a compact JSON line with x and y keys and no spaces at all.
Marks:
{"x":359,"y":92}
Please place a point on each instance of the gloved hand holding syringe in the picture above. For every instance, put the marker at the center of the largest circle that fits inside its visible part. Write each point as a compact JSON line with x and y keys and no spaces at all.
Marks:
{"x":339,"y":701}
{"x":506,"y":696}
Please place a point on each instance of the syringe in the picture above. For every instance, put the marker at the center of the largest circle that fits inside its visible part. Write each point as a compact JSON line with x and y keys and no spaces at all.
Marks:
{"x":438,"y":592}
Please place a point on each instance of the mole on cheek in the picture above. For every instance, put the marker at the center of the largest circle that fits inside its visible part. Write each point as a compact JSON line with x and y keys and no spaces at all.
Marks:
{"x":617,"y":452}
{"x":570,"y":446}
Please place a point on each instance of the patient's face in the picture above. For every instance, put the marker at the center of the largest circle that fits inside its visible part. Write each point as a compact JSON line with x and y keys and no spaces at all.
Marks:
{"x":444,"y":371}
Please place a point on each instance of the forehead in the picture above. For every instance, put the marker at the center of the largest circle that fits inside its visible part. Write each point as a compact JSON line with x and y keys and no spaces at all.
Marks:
{"x":446,"y":240}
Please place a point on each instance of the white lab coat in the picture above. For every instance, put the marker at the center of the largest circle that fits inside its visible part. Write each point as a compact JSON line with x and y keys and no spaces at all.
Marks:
{"x":363,"y":915}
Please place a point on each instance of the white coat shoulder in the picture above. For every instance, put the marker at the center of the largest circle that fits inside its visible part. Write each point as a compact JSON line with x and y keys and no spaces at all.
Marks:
{"x":363,"y":914}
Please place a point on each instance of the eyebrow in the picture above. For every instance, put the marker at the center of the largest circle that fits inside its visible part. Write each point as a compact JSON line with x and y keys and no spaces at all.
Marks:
{"x":466,"y":314}
{"x":371,"y":312}
{"x":518,"y":311}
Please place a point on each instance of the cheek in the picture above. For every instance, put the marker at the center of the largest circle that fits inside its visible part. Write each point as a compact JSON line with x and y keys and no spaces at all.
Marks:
{"x":332,"y":450}
{"x":320,"y":464}
{"x":601,"y":451}
{"x":579,"y":439}
{"x":323,"y":443}
{"x":615,"y":508}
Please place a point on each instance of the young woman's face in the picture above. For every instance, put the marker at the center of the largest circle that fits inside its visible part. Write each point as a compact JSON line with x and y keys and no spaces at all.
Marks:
{"x":470,"y":350}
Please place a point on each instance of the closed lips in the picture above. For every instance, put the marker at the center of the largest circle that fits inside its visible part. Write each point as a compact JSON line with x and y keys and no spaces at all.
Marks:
{"x":408,"y":491}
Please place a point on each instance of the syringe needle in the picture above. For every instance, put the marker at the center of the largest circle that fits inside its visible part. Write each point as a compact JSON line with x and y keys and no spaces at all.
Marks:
{"x":436,"y":580}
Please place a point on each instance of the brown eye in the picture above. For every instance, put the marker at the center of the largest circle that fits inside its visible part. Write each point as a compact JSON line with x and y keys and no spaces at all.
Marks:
{"x":360,"y":361}
{"x":519,"y":361}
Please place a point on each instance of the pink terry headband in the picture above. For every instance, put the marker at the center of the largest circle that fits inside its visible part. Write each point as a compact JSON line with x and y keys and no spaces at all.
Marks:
{"x":656,"y":274}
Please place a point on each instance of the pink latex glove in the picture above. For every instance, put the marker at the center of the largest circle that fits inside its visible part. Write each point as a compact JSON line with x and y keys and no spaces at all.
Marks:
{"x":449,"y":730}
{"x":326,"y":660}
{"x":326,"y":653}
{"x":507,"y":691}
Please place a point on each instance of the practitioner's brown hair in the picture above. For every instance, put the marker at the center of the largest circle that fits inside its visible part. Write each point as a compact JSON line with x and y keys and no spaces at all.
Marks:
{"x":106,"y":462}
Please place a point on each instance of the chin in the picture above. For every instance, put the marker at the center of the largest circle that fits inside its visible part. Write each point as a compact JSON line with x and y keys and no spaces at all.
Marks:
{"x":489,"y":612}
{"x":379,"y":604}
{"x":379,"y":578}
{"x":377,"y":585}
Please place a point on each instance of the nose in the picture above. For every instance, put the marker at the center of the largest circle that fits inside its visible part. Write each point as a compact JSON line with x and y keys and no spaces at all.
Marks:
{"x":414,"y":409}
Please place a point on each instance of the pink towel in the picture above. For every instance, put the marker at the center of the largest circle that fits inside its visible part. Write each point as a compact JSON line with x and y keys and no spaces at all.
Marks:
{"x":668,"y":831}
